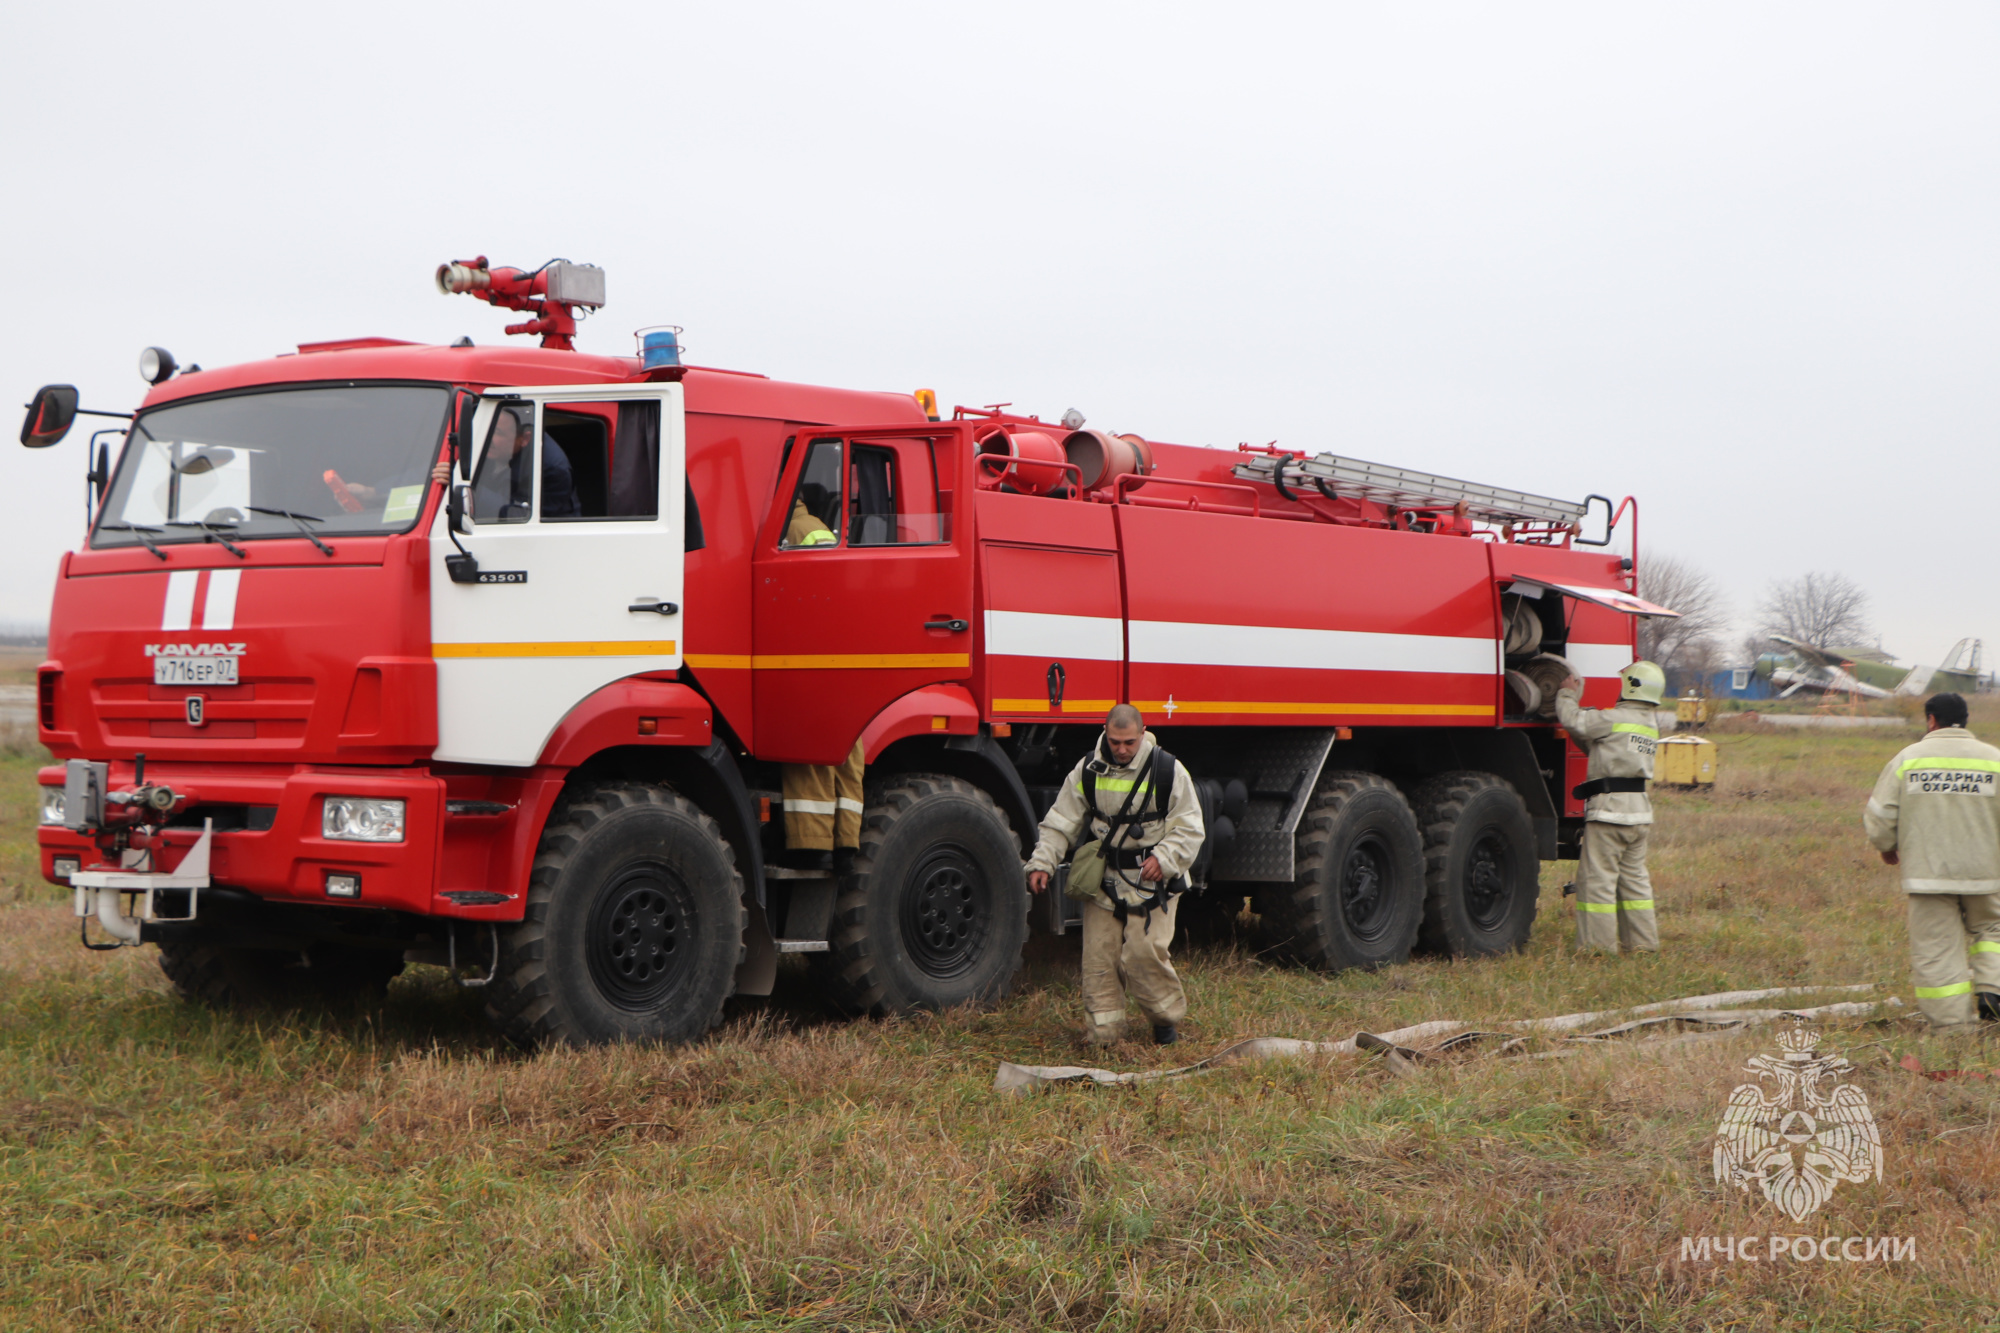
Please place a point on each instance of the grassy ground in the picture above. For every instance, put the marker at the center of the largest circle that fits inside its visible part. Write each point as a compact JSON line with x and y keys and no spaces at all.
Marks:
{"x":165,"y":1167}
{"x":17,"y":664}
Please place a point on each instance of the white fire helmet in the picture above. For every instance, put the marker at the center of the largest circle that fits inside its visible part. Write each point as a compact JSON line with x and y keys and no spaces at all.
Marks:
{"x":1644,"y":682}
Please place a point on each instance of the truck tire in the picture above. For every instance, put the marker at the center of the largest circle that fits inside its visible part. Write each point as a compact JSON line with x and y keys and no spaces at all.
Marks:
{"x":633,"y":929}
{"x":228,"y":977}
{"x":1358,"y":895}
{"x":1482,"y":867}
{"x":1211,"y":915}
{"x":936,"y":912}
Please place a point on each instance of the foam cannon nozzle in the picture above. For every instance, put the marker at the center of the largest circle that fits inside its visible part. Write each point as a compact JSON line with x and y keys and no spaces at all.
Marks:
{"x":463,"y":275}
{"x":555,"y":294}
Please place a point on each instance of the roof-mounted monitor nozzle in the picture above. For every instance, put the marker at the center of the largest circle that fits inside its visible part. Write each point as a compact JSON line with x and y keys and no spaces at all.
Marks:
{"x":557,"y":294}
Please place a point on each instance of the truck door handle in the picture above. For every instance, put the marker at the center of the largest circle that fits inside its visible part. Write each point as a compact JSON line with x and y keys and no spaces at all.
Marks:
{"x":656,"y":605}
{"x":955,"y":626}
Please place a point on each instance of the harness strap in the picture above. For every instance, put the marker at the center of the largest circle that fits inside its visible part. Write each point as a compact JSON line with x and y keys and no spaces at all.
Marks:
{"x":1598,"y":786}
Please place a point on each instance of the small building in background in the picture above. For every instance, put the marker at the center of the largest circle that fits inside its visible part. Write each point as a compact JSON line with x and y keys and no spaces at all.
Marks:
{"x":1745,"y":682}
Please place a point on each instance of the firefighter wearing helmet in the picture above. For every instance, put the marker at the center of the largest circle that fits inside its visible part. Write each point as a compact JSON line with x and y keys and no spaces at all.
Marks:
{"x":1614,"y":896}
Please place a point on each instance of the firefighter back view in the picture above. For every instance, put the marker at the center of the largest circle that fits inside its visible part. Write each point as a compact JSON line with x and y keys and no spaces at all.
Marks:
{"x":1935,"y":813}
{"x":1614,"y":895}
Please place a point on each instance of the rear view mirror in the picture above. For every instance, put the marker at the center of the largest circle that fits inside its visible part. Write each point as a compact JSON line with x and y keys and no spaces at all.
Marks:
{"x":50,"y":415}
{"x":461,"y":433}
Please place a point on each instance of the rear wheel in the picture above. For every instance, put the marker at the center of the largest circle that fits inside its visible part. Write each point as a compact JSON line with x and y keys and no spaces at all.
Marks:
{"x":227,"y":977}
{"x":936,"y":912}
{"x":633,"y":929}
{"x":1357,"y":897}
{"x":1482,"y":869}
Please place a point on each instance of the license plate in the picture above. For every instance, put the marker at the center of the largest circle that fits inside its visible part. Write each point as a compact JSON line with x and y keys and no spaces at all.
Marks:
{"x":194,"y":671}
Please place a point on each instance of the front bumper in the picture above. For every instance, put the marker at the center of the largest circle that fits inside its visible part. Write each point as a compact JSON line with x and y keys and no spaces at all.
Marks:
{"x":289,"y":859}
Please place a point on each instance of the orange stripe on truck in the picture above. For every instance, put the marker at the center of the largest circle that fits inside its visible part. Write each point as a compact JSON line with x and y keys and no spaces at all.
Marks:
{"x":1319,"y":710}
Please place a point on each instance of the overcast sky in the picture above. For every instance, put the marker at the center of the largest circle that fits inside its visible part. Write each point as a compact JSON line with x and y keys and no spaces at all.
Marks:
{"x":1737,"y":260}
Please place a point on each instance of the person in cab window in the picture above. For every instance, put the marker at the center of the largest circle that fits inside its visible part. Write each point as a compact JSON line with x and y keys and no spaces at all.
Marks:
{"x":806,"y":529}
{"x":505,"y":492}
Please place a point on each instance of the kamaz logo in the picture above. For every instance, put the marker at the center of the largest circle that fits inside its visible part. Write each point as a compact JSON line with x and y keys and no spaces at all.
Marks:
{"x":196,"y":649}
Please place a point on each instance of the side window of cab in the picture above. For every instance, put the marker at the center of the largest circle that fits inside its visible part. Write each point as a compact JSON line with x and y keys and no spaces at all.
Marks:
{"x":818,"y":501}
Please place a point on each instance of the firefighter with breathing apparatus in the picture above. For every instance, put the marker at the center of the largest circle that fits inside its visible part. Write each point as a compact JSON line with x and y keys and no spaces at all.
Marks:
{"x":1614,"y":896}
{"x":1935,"y":813}
{"x":1130,"y":810}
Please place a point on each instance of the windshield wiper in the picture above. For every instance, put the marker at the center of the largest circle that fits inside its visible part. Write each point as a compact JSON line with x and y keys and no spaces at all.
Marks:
{"x":138,"y":532}
{"x":299,"y":521}
{"x":212,"y":532}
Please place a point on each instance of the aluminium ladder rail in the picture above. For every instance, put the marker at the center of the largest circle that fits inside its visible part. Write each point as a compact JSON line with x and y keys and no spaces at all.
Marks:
{"x":1400,"y":488}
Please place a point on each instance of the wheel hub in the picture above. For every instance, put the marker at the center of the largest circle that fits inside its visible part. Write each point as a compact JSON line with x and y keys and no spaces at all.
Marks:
{"x":1489,"y":880}
{"x":639,"y":936}
{"x":945,"y":914}
{"x":1364,"y":887}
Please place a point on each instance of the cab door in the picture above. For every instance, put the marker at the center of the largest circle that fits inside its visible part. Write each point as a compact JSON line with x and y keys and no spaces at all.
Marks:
{"x":576,"y":522}
{"x":862,"y":583}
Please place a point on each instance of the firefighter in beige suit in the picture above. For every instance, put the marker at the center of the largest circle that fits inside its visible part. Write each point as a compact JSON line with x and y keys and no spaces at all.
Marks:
{"x":1614,"y":895}
{"x":1127,"y":925}
{"x":822,"y":801}
{"x":1935,"y":812}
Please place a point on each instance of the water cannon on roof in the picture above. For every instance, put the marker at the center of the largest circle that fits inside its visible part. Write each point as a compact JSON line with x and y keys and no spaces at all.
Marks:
{"x":557,"y":294}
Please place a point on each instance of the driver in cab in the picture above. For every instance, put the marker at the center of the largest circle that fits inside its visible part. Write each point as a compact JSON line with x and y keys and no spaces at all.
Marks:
{"x":504,"y":488}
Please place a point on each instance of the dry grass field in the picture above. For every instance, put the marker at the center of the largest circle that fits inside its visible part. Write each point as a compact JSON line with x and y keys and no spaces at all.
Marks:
{"x":163,"y":1167}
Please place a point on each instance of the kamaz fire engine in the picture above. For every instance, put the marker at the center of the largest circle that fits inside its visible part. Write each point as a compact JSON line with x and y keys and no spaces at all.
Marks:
{"x":489,"y":656}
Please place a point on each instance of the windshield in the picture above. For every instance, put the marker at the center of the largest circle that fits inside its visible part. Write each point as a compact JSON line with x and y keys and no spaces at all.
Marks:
{"x":333,"y":461}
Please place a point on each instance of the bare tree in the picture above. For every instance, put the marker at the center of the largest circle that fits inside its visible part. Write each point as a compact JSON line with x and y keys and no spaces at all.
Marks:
{"x":1818,"y":608}
{"x":1689,"y":641}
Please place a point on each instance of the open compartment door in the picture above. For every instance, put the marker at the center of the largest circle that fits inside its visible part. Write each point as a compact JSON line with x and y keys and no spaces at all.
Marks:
{"x":1612,"y":599}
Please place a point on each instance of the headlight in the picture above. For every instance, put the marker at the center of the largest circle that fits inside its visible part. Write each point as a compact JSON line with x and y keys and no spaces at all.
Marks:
{"x":361,"y":819}
{"x":53,"y":807}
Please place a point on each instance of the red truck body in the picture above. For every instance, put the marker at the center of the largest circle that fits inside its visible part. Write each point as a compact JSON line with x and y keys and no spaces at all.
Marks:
{"x":960,"y":624}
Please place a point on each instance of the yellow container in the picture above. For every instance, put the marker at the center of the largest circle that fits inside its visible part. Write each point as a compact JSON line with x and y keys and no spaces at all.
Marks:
{"x":1692,"y":712}
{"x":1685,"y":761}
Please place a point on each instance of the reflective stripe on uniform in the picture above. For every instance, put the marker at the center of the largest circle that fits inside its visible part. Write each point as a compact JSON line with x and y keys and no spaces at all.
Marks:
{"x":847,"y":803}
{"x":1943,"y":992}
{"x":1115,"y":784}
{"x":1636,"y":729}
{"x":1107,"y":1018}
{"x":817,"y":539}
{"x":1597,"y":907}
{"x":1977,"y":765}
{"x":1637,"y":905}
{"x":1985,"y":946}
{"x":800,"y":807}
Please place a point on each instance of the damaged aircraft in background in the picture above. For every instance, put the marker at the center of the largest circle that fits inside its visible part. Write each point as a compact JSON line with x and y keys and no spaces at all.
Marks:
{"x":1871,"y":673}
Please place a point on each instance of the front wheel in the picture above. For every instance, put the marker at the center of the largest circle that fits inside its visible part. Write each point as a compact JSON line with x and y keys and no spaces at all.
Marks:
{"x":936,"y":912}
{"x":633,"y":929}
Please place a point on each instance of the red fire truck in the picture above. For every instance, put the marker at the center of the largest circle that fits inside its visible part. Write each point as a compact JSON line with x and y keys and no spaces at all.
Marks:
{"x":490,"y":656}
